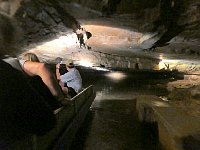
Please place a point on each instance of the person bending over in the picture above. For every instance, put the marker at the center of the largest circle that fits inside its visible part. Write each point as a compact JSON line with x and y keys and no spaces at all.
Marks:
{"x":71,"y":82}
{"x":34,"y":68}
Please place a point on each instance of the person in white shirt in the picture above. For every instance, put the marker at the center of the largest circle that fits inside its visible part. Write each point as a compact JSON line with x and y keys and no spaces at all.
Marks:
{"x":71,"y":82}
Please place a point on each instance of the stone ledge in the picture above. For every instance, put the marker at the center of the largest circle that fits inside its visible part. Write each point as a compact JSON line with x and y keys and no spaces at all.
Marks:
{"x":144,"y":106}
{"x":178,"y":129}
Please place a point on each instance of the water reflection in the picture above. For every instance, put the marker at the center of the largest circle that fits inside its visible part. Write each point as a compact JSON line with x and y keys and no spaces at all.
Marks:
{"x":112,"y":121}
{"x":116,"y":76}
{"x":124,"y":85}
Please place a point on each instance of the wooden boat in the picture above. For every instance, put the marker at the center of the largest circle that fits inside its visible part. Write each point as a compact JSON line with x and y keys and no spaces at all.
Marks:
{"x":69,"y":119}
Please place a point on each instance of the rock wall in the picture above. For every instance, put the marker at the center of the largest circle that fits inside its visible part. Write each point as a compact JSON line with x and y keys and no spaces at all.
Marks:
{"x":109,"y":60}
{"x":177,"y":22}
{"x":42,"y":20}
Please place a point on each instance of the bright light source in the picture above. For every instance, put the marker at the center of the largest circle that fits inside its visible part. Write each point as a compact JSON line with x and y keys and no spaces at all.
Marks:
{"x":64,"y":41}
{"x":67,"y":40}
{"x":57,"y":46}
{"x":160,"y":104}
{"x":116,"y":75}
{"x":85,"y":63}
{"x":166,"y":62}
{"x":100,"y":68}
{"x":161,"y":56}
{"x":162,"y":65}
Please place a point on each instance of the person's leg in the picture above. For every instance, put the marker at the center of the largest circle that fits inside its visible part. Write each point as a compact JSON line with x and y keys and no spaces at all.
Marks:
{"x":65,"y":90}
{"x":47,"y":76}
{"x":37,"y":83}
{"x":71,"y":92}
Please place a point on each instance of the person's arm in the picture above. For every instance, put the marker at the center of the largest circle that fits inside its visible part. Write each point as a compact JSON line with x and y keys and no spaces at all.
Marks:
{"x":67,"y":76}
{"x":41,"y":69}
{"x":57,"y":72}
{"x":64,"y":89}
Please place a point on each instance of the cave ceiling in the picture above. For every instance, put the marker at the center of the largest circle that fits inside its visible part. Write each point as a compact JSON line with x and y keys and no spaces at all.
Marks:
{"x":148,"y":28}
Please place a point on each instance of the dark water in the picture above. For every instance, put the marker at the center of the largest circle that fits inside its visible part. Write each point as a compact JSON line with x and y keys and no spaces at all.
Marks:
{"x":112,"y":122}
